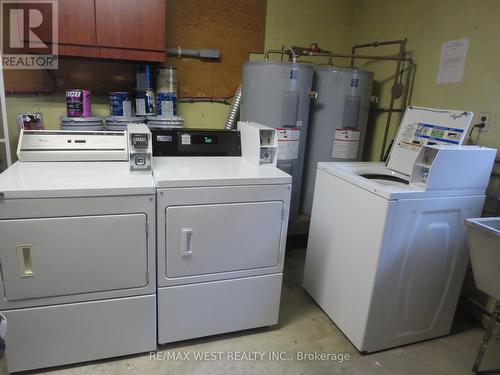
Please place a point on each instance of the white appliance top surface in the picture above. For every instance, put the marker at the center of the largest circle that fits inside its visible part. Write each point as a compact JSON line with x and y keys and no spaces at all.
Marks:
{"x":73,"y":179}
{"x":421,"y":126}
{"x":214,"y":171}
{"x":391,"y":190}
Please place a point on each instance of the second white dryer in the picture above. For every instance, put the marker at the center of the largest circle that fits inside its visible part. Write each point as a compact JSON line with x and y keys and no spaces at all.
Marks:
{"x":222,"y":225}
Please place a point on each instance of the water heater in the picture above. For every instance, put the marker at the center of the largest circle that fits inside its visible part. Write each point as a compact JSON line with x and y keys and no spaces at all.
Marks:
{"x":277,"y":94}
{"x":338,"y":121}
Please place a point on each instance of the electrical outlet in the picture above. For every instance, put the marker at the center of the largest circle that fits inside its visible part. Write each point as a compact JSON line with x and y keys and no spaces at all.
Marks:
{"x":484,"y":117}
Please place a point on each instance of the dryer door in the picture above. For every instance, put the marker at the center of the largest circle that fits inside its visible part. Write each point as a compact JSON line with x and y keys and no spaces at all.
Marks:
{"x":211,"y":238}
{"x":60,"y":256}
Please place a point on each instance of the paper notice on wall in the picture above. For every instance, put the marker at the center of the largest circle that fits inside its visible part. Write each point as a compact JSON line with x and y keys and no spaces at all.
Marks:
{"x":452,"y":61}
{"x":346,"y":144}
{"x":288,"y":143}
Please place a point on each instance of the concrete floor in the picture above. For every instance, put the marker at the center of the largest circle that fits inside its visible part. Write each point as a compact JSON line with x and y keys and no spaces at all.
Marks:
{"x":304,"y":327}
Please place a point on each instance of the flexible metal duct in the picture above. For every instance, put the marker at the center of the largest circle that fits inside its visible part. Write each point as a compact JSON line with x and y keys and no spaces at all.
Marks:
{"x":234,"y":111}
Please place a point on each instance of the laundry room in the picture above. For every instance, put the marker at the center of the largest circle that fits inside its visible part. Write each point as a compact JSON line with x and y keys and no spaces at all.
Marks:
{"x":250,"y":187}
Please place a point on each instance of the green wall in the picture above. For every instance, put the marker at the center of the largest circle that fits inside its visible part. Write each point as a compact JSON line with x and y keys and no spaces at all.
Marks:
{"x":427,"y":24}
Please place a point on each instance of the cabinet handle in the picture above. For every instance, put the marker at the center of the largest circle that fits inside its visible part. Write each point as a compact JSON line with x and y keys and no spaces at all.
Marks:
{"x":24,"y":259}
{"x":186,"y":243}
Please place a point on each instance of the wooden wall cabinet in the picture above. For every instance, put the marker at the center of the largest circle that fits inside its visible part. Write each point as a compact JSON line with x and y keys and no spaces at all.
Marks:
{"x":114,"y":29}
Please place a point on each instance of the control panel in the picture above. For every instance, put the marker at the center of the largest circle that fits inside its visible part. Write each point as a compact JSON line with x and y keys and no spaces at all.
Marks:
{"x":259,"y":143}
{"x":196,"y":142}
{"x":140,"y":147}
{"x":70,"y":145}
{"x":457,"y":167}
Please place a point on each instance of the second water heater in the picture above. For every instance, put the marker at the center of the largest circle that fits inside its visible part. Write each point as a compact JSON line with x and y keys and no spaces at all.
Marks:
{"x":277,"y":94}
{"x":337,"y":124}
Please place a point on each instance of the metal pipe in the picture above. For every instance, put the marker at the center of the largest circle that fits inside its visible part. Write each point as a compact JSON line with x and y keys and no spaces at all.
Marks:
{"x":393,"y":98}
{"x":339,"y":55}
{"x":234,"y":111}
{"x":362,"y":57}
{"x":477,"y":305}
{"x":203,"y":100}
{"x":377,"y":44}
{"x":386,"y":110}
{"x":275,"y":51}
{"x":374,"y":44}
{"x":203,"y":53}
{"x":409,"y":73}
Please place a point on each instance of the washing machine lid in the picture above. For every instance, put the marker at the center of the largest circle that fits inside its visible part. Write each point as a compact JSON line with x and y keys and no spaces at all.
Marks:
{"x":376,"y":178}
{"x":373,"y":177}
{"x":214,"y":171}
{"x":421,"y":126}
{"x":72,"y":179}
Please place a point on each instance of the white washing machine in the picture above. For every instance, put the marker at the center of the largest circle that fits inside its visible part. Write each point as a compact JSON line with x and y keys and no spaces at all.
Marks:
{"x":386,"y":255}
{"x":222,"y":223}
{"x":77,"y":251}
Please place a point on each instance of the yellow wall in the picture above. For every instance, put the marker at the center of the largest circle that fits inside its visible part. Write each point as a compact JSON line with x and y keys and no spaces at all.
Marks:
{"x":427,"y":24}
{"x":294,"y":22}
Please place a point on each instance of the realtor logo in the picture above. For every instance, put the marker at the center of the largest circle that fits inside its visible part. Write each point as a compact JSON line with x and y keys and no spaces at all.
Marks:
{"x":29,"y":34}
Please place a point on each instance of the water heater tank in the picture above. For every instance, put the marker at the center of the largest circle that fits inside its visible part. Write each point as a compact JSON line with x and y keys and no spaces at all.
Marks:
{"x":277,"y":94}
{"x":338,"y":121}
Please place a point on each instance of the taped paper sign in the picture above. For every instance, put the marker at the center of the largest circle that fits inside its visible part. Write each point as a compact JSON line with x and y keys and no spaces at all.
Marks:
{"x":288,"y":143}
{"x":452,"y":61}
{"x":346,"y":144}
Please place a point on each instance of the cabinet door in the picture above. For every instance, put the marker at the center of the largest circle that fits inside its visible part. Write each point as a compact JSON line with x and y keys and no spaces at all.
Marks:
{"x":131,"y":24}
{"x":77,"y":22}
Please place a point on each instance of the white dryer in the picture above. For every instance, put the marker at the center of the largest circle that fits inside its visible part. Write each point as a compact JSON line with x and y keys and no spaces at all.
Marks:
{"x":222,"y":224}
{"x":386,"y":255}
{"x":77,"y":251}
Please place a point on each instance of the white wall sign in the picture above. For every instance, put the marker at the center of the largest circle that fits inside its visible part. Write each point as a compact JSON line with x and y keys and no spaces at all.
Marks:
{"x":452,"y":61}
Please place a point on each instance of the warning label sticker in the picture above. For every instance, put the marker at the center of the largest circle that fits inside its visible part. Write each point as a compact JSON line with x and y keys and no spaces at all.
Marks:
{"x":346,"y":144}
{"x":288,"y":143}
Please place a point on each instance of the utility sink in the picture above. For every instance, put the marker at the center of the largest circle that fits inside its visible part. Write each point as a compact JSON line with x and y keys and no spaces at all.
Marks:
{"x":484,"y":247}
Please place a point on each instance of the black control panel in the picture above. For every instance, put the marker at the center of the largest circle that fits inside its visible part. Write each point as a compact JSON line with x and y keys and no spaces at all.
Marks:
{"x":196,"y":142}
